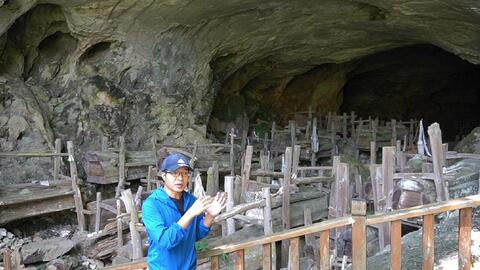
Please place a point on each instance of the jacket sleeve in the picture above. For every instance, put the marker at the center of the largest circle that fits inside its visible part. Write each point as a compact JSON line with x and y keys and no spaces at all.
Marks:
{"x":164,"y":236}
{"x":202,"y":230}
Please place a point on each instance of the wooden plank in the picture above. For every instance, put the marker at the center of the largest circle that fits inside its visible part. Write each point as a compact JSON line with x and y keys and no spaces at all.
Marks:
{"x":71,"y":159}
{"x":421,"y":210}
{"x":267,"y":256}
{"x":428,"y":242}
{"x":295,"y":160}
{"x":32,"y":154}
{"x":239,"y":259}
{"x":98,"y":212}
{"x":435,"y":136}
{"x":464,"y":239}
{"x":286,"y":202}
{"x":229,"y":182}
{"x":310,"y":238}
{"x":293,"y":130}
{"x":373,"y":152}
{"x":127,"y":198}
{"x":359,"y":235}
{"x":393,"y":125}
{"x":232,"y":152}
{"x":119,"y":225}
{"x":77,"y":196}
{"x":267,"y":212}
{"x":246,"y":170}
{"x":388,"y":168}
{"x":396,"y":245}
{"x":7,"y":259}
{"x":293,"y":254}
{"x":57,"y":160}
{"x":121,"y":166}
{"x":214,"y":263}
{"x":325,"y":250}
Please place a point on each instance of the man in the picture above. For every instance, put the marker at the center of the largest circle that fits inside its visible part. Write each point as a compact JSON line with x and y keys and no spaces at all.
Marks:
{"x":175,"y":219}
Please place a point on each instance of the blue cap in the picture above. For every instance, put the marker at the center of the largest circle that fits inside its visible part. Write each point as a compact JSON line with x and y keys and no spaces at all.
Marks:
{"x":174,"y":161}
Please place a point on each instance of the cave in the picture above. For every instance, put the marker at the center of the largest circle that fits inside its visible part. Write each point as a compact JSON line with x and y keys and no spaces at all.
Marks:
{"x":94,"y":94}
{"x":412,"y":82}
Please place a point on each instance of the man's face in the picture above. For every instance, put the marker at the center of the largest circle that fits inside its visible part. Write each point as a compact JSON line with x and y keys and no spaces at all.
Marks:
{"x":176,"y":181}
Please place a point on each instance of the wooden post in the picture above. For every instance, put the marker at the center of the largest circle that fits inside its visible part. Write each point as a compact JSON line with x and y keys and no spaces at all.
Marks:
{"x":398,"y":153}
{"x":150,"y":177}
{"x":310,"y":238}
{"x":77,"y":197}
{"x":7,"y":259}
{"x":71,"y":159}
{"x":286,"y":201}
{"x":239,"y":259}
{"x":359,"y":235}
{"x":127,"y":199}
{"x":388,"y":168}
{"x":121,"y":166}
{"x":396,"y":245}
{"x":214,"y":263}
{"x":435,"y":136}
{"x":358,"y":184}
{"x":293,"y":254}
{"x":57,"y":160}
{"x":212,"y":179}
{"x":268,"y":249}
{"x":464,"y":239}
{"x":428,"y":244}
{"x":246,"y":170}
{"x":394,"y":131}
{"x":229,"y":182}
{"x":232,"y":152}
{"x":325,"y":250}
{"x":352,"y":123}
{"x":344,"y":131}
{"x":295,"y":160}
{"x":98,"y":212}
{"x":293,"y":131}
{"x":312,"y":140}
{"x":332,"y":138}
{"x":373,"y":152}
{"x":119,"y":225}
{"x":104,"y":144}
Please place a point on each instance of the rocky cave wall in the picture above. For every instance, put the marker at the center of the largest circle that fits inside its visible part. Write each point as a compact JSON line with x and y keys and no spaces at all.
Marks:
{"x":81,"y":69}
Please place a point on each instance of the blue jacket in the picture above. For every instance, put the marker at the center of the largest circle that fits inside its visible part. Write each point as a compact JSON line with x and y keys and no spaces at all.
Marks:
{"x":171,"y":247}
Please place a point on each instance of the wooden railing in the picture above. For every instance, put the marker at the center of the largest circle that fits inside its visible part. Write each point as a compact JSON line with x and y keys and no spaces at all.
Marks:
{"x":359,"y":222}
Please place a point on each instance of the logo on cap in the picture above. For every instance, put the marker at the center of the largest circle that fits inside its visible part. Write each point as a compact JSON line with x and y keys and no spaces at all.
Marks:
{"x":181,"y":162}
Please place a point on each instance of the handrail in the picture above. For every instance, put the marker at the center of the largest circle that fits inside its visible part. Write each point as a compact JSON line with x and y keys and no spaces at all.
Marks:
{"x":422,"y":210}
{"x":283,"y":235}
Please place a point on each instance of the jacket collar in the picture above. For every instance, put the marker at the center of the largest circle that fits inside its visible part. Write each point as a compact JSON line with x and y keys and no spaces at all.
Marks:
{"x":162,"y":196}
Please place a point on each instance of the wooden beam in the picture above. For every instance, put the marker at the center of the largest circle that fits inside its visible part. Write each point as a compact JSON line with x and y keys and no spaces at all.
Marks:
{"x":267,"y":256}
{"x":57,"y":160}
{"x":98,"y":212}
{"x":121,"y":166}
{"x":428,"y":244}
{"x":435,"y":136}
{"x":214,"y":263}
{"x":396,"y":245}
{"x":7,"y":259}
{"x":77,"y":197}
{"x":239,"y":259}
{"x":246,"y":170}
{"x":293,"y":254}
{"x":359,"y":232}
{"x":71,"y":159}
{"x":465,"y":239}
{"x":229,"y":184}
{"x":325,"y":250}
{"x":286,"y":201}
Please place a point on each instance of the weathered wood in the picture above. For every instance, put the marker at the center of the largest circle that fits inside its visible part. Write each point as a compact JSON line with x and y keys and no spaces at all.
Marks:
{"x":312,"y":180}
{"x":32,"y":154}
{"x":127,"y":198}
{"x":98,"y":212}
{"x":464,"y":239}
{"x":150,"y":177}
{"x":57,"y":160}
{"x":373,"y":152}
{"x":239,"y":259}
{"x":7,"y":259}
{"x":71,"y":159}
{"x":121,"y":167}
{"x":388,"y":168}
{"x":293,"y":130}
{"x":104,"y":144}
{"x":212,"y":179}
{"x":246,"y":169}
{"x":286,"y":201}
{"x":310,"y":238}
{"x":230,"y":223}
{"x":214,"y":263}
{"x":119,"y":225}
{"x":295,"y":161}
{"x":396,"y":245}
{"x":435,"y":136}
{"x":77,"y":196}
{"x":428,"y":244}
{"x":324,"y":250}
{"x":267,"y":212}
{"x":393,"y":124}
{"x":293,"y":254}
{"x":359,"y":239}
{"x":267,"y":256}
{"x":232,"y":152}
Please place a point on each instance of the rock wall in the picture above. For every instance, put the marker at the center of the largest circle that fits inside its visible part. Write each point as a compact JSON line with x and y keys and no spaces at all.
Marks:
{"x":81,"y":69}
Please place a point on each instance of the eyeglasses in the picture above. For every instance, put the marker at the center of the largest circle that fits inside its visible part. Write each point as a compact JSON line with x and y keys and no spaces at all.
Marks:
{"x":178,"y":174}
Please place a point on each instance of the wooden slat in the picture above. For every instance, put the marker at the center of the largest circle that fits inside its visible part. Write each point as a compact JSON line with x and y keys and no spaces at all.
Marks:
{"x":7,"y":259}
{"x":428,"y":242}
{"x":464,"y":239}
{"x":324,"y":250}
{"x":214,"y":264}
{"x":359,"y":232}
{"x":293,"y":254}
{"x":286,"y":202}
{"x":396,"y":245}
{"x":421,"y":210}
{"x":267,"y":256}
{"x":239,"y":259}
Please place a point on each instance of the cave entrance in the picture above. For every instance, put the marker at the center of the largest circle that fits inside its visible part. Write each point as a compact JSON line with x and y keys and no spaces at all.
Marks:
{"x":418,"y":81}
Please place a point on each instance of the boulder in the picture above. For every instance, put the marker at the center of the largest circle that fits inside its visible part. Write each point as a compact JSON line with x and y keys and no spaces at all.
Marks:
{"x":45,"y":250}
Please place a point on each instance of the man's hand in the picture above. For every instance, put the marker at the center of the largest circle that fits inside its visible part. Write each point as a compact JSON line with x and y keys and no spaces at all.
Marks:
{"x":200,"y":205}
{"x":217,"y":205}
